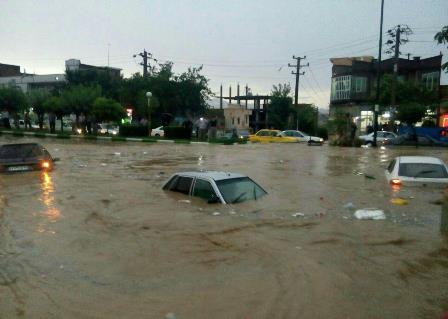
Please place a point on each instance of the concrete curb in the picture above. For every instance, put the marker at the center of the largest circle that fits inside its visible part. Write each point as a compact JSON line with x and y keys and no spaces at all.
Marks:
{"x":98,"y":138}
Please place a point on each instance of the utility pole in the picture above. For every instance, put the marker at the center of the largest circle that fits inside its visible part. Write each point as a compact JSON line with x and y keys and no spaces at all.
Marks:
{"x":394,"y":47}
{"x":146,"y":57}
{"x":378,"y":78}
{"x":298,"y":66}
{"x":220,"y":97}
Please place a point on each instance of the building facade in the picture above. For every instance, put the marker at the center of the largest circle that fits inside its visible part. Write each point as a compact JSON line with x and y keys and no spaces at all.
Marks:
{"x":237,"y":116}
{"x":76,"y":65}
{"x":27,"y":82}
{"x":353,"y":83}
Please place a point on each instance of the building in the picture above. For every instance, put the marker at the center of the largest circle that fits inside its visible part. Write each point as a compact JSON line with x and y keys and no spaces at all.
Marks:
{"x":27,"y":82}
{"x":76,"y":65}
{"x":237,"y":116}
{"x":353,"y":83}
{"x":9,"y":70}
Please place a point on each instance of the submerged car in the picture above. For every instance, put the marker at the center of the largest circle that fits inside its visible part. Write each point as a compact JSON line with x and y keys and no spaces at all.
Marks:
{"x":215,"y":187}
{"x":271,"y":136}
{"x":158,"y":131}
{"x":104,"y":128}
{"x":303,"y":137}
{"x":409,"y":170}
{"x":25,"y":157}
{"x":380,"y":137}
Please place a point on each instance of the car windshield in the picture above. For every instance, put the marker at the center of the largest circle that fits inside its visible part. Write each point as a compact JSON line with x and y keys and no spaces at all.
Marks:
{"x":240,"y":189}
{"x":20,"y":151}
{"x":423,"y":170}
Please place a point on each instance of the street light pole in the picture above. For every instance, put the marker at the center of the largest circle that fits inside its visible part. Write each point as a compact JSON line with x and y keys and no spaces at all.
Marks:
{"x":148,"y":96}
{"x":378,"y":78}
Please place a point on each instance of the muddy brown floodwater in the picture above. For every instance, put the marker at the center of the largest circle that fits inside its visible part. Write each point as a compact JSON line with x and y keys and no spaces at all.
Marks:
{"x":98,"y":238}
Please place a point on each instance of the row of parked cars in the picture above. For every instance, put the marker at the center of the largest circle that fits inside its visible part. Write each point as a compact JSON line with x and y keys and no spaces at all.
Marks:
{"x":390,"y":138}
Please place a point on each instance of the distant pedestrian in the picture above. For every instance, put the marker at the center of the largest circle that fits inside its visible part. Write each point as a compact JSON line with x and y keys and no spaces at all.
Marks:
{"x":212,"y":129}
{"x":82,"y":122}
{"x":74,"y":122}
{"x":89,"y":123}
{"x":202,"y":124}
{"x":52,"y":121}
{"x":353,"y":129}
{"x":27,"y":120}
{"x":5,"y":119}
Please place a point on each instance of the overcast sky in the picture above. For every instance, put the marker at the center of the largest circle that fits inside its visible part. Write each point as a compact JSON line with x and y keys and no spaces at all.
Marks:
{"x":247,"y":42}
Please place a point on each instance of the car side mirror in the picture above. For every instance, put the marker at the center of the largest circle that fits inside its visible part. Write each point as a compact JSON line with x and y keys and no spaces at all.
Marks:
{"x":56,"y":159}
{"x":213,"y":199}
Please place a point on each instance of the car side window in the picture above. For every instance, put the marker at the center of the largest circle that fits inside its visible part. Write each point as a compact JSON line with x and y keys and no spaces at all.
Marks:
{"x":183,"y":185}
{"x":262,"y":133}
{"x":391,"y":166}
{"x":380,"y":134}
{"x":203,"y":189}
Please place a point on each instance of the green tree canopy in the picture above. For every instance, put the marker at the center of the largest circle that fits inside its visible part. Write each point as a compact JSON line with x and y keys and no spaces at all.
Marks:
{"x":411,"y":112}
{"x":79,"y":99}
{"x":108,"y":82}
{"x":442,"y":38}
{"x":107,"y":110}
{"x":406,"y":91}
{"x":13,"y":100}
{"x":280,"y":106}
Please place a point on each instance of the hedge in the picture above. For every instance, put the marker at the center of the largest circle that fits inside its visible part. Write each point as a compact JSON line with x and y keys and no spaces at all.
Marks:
{"x":130,"y":130}
{"x":177,"y":132}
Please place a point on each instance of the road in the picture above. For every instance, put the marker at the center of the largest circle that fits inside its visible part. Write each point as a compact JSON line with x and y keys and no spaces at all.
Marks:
{"x":98,"y":238}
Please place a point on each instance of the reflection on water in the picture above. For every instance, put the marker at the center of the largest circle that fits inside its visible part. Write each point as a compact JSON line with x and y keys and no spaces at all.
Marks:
{"x":51,"y":212}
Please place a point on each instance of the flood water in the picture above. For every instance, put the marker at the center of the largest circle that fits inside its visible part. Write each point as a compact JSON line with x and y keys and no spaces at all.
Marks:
{"x":98,"y":238}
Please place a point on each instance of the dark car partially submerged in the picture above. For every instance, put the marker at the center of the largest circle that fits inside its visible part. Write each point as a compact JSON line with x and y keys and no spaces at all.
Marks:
{"x":215,"y":187}
{"x":25,"y":157}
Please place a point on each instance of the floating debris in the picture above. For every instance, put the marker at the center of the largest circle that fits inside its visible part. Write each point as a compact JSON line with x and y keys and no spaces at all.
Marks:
{"x":298,"y":215}
{"x":399,"y":201}
{"x":370,"y":213}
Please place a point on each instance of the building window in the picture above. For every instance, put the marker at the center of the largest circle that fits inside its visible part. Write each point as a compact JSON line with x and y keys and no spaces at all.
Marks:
{"x":359,"y":84}
{"x":238,"y":121}
{"x":430,"y":80}
{"x":233,"y":120}
{"x":340,"y":87}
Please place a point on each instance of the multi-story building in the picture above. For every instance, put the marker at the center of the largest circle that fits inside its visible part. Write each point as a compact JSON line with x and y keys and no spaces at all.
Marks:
{"x":76,"y":65}
{"x":353,"y":83}
{"x":27,"y":82}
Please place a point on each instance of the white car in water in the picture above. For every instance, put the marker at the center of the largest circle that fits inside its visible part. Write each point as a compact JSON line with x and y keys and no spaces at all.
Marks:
{"x":417,"y":170}
{"x":215,"y":187}
{"x":303,"y":137}
{"x":158,"y":131}
{"x":381,"y":136}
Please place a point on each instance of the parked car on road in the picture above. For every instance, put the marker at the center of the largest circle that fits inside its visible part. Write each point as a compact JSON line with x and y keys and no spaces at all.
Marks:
{"x":409,"y":170}
{"x":303,"y":137}
{"x":215,"y":187}
{"x":25,"y":157}
{"x":412,"y":140}
{"x":158,"y":131}
{"x":380,"y":137}
{"x":104,"y":128}
{"x":271,"y":136}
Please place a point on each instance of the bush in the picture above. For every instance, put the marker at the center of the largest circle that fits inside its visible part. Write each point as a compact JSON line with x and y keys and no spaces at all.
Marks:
{"x":322,"y":132}
{"x":130,"y":130}
{"x":177,"y":132}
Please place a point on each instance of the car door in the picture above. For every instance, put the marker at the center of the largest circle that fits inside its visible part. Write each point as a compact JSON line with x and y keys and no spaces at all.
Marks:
{"x":205,"y":190}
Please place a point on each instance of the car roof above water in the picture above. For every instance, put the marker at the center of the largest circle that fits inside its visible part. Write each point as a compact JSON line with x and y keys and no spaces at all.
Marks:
{"x":215,"y":175}
{"x":420,"y":159}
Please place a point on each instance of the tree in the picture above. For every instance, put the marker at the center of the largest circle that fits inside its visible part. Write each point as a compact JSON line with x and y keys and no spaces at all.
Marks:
{"x":108,"y":82}
{"x":406,"y":91}
{"x":442,"y":37}
{"x":36,"y":99}
{"x":11,"y":99}
{"x":306,"y":117}
{"x":54,"y":104}
{"x":280,"y":106}
{"x":411,"y":112}
{"x":107,"y":110}
{"x":79,"y":99}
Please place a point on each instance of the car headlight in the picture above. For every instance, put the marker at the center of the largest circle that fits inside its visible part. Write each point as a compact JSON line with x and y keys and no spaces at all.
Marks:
{"x":321,"y":140}
{"x":45,"y":164}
